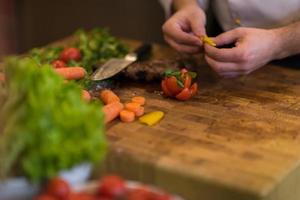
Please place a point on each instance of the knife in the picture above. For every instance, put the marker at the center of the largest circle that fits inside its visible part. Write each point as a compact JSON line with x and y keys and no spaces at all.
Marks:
{"x":116,"y":65}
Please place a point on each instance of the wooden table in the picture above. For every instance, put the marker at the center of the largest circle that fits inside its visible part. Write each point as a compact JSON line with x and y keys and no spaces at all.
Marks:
{"x":238,"y":139}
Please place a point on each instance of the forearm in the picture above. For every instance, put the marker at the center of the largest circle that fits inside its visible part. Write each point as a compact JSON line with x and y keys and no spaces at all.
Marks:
{"x":288,"y":40}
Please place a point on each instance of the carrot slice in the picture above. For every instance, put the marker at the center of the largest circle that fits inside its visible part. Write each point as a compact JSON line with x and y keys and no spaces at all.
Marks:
{"x":108,"y":96}
{"x":133,"y":107}
{"x":112,"y":111}
{"x":139,"y":99}
{"x":86,"y":96}
{"x":140,"y":111}
{"x":71,"y":73}
{"x":127,"y":116}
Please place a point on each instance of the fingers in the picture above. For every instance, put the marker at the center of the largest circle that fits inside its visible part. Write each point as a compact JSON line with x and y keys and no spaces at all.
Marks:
{"x":228,"y":37}
{"x":174,"y":31}
{"x":181,"y":47}
{"x":235,"y":54}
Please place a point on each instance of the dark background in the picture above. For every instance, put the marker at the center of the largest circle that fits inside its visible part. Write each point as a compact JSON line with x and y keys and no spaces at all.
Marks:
{"x":39,"y":22}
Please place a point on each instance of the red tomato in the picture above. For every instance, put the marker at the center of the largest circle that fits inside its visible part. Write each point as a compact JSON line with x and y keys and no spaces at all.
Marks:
{"x":165,"y":89}
{"x":112,"y":187}
{"x":82,"y":196}
{"x":70,"y":54}
{"x":194,"y":89}
{"x":58,"y":64}
{"x":184,"y":95}
{"x":45,"y":197}
{"x":172,"y":85}
{"x":140,"y":194}
{"x":58,"y":188}
{"x":162,"y":197}
{"x":187,"y":80}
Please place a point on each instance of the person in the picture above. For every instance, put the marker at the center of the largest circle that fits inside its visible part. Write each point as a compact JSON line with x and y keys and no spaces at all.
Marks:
{"x":260,"y":31}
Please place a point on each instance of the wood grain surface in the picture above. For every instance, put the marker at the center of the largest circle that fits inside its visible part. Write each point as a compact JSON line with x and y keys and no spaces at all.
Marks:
{"x":238,"y":139}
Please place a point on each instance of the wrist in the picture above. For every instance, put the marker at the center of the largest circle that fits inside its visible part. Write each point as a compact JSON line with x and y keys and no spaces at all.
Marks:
{"x":280,"y":41}
{"x":180,"y":4}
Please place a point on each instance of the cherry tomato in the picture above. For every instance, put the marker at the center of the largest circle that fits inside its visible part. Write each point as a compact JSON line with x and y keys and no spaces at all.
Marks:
{"x":58,"y":188}
{"x":187,"y":80}
{"x":172,"y":85}
{"x":45,"y":197}
{"x":70,"y":54}
{"x":112,"y":187}
{"x":165,"y":89}
{"x":184,"y":95}
{"x":82,"y":196}
{"x":58,"y":64}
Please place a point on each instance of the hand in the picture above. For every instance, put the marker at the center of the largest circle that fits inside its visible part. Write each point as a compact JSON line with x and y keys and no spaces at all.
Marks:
{"x":253,"y":49}
{"x":183,"y":29}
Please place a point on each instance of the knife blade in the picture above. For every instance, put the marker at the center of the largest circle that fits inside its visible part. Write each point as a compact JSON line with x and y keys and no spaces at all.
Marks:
{"x":116,"y":65}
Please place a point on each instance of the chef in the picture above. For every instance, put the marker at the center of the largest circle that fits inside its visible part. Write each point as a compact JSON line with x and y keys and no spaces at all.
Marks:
{"x":261,"y":31}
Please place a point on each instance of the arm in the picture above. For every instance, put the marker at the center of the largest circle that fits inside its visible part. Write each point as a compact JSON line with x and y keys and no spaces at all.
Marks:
{"x":253,"y":49}
{"x":183,"y":29}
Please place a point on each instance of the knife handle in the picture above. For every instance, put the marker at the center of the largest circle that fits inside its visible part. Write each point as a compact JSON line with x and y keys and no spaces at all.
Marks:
{"x":143,"y":51}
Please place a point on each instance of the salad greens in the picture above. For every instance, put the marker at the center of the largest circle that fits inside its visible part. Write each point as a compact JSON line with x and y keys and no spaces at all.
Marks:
{"x":48,"y":127}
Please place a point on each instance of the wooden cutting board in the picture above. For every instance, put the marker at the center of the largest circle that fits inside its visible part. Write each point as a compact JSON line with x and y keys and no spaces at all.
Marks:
{"x":238,"y":139}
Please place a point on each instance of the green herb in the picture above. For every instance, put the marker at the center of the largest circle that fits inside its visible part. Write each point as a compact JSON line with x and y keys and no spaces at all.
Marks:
{"x":47,"y":125}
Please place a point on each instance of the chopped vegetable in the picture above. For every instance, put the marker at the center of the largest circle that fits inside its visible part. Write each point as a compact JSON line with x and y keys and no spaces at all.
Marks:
{"x":58,"y":188}
{"x":86,"y":96}
{"x":108,"y":96}
{"x":112,"y":111}
{"x":133,"y":107}
{"x":112,"y":187}
{"x":208,"y":41}
{"x":69,"y":54}
{"x":71,"y":73}
{"x":151,"y":118}
{"x":179,"y":84}
{"x":140,"y":111}
{"x":47,"y":126}
{"x":2,"y":77}
{"x":127,"y":116}
{"x":139,"y":99}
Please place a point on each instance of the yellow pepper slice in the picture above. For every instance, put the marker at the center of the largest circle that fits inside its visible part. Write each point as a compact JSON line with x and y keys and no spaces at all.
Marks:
{"x":208,"y":41}
{"x":151,"y":118}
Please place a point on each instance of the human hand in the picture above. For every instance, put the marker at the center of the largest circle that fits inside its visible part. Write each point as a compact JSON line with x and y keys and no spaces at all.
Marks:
{"x":253,"y":49}
{"x":183,"y":29}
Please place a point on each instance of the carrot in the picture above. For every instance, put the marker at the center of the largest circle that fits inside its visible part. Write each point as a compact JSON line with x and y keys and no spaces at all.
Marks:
{"x":112,"y":111}
{"x":127,"y":116}
{"x":71,"y":73}
{"x":2,"y":77}
{"x":108,"y":96}
{"x":139,"y":99}
{"x":140,"y":112}
{"x":86,"y":96}
{"x":133,"y":107}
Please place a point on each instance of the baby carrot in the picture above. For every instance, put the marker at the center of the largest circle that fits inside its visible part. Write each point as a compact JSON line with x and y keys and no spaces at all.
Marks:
{"x":139,"y":99}
{"x":2,"y":77}
{"x":86,"y":96}
{"x":133,"y":107}
{"x":140,"y":111}
{"x":127,"y":116}
{"x":112,"y":111}
{"x":71,"y":73}
{"x":108,"y":96}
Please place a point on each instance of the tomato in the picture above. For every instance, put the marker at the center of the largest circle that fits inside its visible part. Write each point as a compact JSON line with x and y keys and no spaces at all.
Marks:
{"x":187,"y":80}
{"x":58,"y":64}
{"x":70,"y":54}
{"x":162,"y":197}
{"x":194,"y":89}
{"x":45,"y":197}
{"x":112,"y":187}
{"x":140,"y":194}
{"x":184,"y":95}
{"x":172,"y":85}
{"x":82,"y":196}
{"x":58,"y":188}
{"x":165,"y":89}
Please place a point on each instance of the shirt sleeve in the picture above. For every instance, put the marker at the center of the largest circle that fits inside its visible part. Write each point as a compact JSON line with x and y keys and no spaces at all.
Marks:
{"x":167,"y":6}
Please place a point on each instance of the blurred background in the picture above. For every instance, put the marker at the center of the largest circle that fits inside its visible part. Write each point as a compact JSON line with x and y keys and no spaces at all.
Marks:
{"x":31,"y":23}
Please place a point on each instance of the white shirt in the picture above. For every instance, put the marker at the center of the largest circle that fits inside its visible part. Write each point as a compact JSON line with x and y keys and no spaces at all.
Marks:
{"x":250,"y":13}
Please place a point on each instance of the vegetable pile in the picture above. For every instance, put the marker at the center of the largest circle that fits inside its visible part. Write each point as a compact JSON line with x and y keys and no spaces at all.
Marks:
{"x":109,"y":188}
{"x":179,"y":84}
{"x":48,"y":126}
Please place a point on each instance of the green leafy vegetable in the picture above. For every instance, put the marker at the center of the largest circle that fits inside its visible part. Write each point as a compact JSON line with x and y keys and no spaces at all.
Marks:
{"x":47,"y":125}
